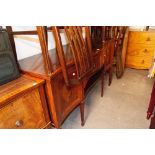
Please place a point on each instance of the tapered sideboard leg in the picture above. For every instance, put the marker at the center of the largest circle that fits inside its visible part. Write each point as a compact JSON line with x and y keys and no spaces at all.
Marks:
{"x":102,"y":84}
{"x":82,"y":113}
{"x":110,"y":75}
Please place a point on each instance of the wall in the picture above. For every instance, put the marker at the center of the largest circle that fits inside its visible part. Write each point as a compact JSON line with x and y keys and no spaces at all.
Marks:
{"x":28,"y":45}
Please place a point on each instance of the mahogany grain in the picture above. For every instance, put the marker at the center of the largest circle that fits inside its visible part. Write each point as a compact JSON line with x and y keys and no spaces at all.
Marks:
{"x":62,"y":99}
{"x":23,"y":104}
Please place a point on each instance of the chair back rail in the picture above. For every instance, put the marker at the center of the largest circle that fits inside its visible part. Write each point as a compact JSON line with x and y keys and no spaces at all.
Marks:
{"x":89,"y":44}
{"x":81,"y":53}
{"x":42,"y":34}
{"x":60,"y":53}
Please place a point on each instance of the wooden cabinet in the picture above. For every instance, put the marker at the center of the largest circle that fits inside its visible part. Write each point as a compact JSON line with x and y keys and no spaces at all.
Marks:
{"x":64,"y":86}
{"x":23,"y":104}
{"x":141,"y":48}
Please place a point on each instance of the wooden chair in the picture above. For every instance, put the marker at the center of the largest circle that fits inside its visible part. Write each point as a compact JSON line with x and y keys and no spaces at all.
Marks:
{"x":106,"y":42}
{"x":82,"y":57}
{"x":114,"y":36}
{"x":118,"y":50}
{"x":81,"y":54}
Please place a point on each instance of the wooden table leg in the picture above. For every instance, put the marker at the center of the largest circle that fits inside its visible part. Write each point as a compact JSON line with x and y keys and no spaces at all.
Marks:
{"x":82,"y":113}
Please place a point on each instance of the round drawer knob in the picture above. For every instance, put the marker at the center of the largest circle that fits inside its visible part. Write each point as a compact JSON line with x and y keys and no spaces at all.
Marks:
{"x":19,"y":123}
{"x":73,"y":74}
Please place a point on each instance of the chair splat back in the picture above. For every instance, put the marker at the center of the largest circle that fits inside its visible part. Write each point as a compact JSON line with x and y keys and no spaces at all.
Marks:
{"x":81,"y":54}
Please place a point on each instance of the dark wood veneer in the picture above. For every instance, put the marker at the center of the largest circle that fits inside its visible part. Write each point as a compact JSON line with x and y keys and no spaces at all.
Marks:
{"x":50,"y":66}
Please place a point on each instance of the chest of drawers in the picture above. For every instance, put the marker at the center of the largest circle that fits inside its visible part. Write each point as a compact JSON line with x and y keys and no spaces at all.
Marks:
{"x":140,"y":50}
{"x":23,"y":104}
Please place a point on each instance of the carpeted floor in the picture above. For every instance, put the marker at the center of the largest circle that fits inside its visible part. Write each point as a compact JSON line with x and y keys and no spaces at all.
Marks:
{"x":123,"y":106}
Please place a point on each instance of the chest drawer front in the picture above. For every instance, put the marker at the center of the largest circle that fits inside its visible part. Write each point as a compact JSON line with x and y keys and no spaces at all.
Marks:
{"x":24,"y":112}
{"x":138,"y":62}
{"x":142,"y":37}
{"x":141,"y":50}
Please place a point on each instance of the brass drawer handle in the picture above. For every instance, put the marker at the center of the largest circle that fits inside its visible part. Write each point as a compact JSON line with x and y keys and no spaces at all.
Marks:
{"x":145,"y":51}
{"x":142,"y":61}
{"x":19,"y":123}
{"x":148,"y":39}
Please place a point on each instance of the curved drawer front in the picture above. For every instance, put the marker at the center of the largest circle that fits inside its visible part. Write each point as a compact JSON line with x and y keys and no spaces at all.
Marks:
{"x":142,"y":37}
{"x":24,"y":112}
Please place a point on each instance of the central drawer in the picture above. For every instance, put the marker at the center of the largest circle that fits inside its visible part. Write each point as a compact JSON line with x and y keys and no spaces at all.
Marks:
{"x":24,"y":112}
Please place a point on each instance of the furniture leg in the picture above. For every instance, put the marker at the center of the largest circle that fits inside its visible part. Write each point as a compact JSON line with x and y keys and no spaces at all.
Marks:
{"x":82,"y":113}
{"x":110,"y":76}
{"x":102,"y":84}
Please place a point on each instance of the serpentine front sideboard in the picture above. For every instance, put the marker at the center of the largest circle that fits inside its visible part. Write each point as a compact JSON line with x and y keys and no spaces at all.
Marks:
{"x":57,"y":65}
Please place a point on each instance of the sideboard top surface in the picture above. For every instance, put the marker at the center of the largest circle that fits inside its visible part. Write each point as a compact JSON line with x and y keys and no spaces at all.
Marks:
{"x":16,"y":87}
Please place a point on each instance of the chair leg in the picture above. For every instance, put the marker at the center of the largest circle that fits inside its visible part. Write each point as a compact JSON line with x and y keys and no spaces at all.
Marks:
{"x":102,"y":84}
{"x":82,"y":113}
{"x":110,"y":75}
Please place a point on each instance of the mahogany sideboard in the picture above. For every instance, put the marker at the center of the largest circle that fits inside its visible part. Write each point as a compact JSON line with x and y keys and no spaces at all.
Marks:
{"x":49,"y":66}
{"x":23,"y":104}
{"x":64,"y":99}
